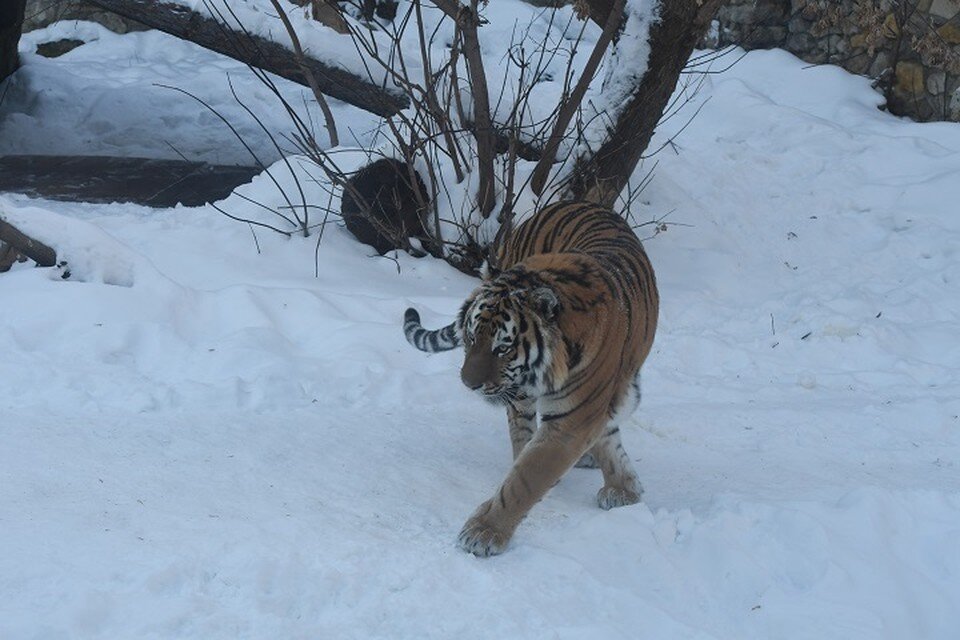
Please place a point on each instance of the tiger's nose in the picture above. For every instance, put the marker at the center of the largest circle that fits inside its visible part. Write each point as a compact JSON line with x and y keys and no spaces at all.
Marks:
{"x":469,"y":381}
{"x":478,"y":365}
{"x":473,"y":373}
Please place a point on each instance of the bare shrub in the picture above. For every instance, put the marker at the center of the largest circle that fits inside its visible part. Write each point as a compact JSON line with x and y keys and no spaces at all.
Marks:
{"x":470,"y":149}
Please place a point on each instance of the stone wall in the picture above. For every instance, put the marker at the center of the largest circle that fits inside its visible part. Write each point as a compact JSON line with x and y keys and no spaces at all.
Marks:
{"x":911,"y":48}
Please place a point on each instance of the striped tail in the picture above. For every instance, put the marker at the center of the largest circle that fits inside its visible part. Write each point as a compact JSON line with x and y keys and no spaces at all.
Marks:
{"x":430,"y":341}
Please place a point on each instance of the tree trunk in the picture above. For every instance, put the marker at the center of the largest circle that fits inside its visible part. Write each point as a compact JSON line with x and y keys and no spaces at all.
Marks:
{"x":11,"y":23}
{"x":179,"y":21}
{"x":601,"y":177}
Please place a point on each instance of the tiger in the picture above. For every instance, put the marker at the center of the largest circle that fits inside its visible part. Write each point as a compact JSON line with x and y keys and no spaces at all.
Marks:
{"x":560,"y":325}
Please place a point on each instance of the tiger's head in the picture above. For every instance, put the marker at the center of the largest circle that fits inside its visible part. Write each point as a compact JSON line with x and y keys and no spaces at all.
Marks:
{"x":510,"y":335}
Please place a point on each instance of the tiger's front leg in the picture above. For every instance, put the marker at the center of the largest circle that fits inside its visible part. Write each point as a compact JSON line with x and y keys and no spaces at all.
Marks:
{"x":555,"y":447}
{"x":522,"y":418}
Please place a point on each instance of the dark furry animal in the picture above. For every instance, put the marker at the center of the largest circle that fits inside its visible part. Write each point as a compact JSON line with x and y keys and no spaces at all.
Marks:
{"x":387,"y":212}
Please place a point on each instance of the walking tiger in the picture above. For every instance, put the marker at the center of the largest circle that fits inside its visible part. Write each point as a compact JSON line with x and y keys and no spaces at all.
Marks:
{"x":561,"y":324}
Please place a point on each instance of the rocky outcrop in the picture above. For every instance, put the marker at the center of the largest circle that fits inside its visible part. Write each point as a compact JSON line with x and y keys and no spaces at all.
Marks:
{"x":911,"y":48}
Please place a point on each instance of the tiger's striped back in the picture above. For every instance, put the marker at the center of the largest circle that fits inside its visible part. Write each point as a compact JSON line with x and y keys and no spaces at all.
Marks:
{"x":576,"y":229}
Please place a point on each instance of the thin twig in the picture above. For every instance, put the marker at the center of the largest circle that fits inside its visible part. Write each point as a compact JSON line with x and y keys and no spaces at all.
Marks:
{"x":308,"y":74}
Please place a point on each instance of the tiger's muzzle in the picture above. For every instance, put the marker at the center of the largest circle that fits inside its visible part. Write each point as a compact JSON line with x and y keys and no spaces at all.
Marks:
{"x":481,"y":367}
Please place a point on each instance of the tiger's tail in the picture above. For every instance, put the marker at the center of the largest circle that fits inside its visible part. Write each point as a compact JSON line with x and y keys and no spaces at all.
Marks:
{"x":443,"y":339}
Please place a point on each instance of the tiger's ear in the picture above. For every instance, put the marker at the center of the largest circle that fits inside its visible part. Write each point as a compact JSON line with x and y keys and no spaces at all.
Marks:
{"x":488,"y":272}
{"x":546,"y":302}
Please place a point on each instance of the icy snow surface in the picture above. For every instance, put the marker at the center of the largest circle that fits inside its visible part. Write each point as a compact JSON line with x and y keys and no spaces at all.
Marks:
{"x":200,"y":441}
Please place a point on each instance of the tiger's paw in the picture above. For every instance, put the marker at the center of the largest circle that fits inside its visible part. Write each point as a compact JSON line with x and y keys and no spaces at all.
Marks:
{"x":587,"y":461}
{"x":610,"y":497}
{"x":481,"y":539}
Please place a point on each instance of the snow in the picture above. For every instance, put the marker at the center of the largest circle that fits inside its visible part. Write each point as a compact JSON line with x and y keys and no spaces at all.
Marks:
{"x":198,"y":440}
{"x":628,"y":60}
{"x":548,"y":43}
{"x":114,"y":96}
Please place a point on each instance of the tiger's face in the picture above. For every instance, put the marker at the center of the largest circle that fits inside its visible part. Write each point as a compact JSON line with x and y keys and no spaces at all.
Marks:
{"x":508,"y":337}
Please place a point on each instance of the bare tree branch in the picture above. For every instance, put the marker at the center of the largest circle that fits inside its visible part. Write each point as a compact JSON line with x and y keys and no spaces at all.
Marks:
{"x":308,"y":74}
{"x":468,"y":20}
{"x":573,"y":101}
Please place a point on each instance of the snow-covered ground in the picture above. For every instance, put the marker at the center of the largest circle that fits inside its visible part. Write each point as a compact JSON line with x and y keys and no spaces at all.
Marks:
{"x":198,"y":440}
{"x":122,"y":95}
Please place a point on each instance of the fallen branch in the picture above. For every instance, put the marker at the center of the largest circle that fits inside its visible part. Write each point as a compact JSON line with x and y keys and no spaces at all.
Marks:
{"x":40,"y":253}
{"x":180,"y":21}
{"x":8,"y":256}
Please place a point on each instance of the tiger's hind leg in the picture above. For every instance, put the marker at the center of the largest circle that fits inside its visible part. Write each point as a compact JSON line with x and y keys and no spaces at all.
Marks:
{"x":522,"y":418}
{"x":620,"y":483}
{"x":590,"y":460}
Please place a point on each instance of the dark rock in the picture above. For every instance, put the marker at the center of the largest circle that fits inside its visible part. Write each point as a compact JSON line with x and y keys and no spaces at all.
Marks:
{"x":799,"y":42}
{"x":153,"y":183}
{"x":736,"y":14}
{"x":387,"y":212}
{"x":770,"y":12}
{"x":57,"y":48}
{"x":881,"y":65}
{"x":797,"y":24}
{"x":858,"y":63}
{"x":763,"y":37}
{"x":387,"y":9}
